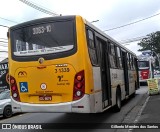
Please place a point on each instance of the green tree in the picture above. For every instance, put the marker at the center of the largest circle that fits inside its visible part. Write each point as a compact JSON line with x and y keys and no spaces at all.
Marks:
{"x":151,"y":42}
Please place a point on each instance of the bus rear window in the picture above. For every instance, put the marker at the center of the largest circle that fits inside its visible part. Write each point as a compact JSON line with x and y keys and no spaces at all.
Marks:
{"x":42,"y":39}
{"x":143,"y":63}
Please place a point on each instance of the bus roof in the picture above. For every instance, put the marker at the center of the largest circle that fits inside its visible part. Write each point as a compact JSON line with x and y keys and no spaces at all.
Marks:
{"x":46,"y":19}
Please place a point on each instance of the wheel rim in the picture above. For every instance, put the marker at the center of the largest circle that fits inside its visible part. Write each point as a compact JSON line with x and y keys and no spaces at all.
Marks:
{"x":8,"y":112}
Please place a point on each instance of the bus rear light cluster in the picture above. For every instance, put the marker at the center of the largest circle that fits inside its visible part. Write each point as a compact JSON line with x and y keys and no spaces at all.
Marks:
{"x":79,"y":85}
{"x":14,"y":89}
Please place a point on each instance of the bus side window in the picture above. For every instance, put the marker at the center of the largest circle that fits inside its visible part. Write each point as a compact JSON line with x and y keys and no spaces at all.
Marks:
{"x":99,"y":49}
{"x":112,"y":56}
{"x":132,"y":64}
{"x":128,"y":61}
{"x":92,"y":47}
{"x":119,"y":57}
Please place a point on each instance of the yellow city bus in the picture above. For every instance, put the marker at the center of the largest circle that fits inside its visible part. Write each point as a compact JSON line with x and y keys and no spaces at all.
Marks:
{"x":65,"y":64}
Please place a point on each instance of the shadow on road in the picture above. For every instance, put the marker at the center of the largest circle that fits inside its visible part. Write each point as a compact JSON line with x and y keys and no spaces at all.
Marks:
{"x":16,"y":114}
{"x":87,"y":121}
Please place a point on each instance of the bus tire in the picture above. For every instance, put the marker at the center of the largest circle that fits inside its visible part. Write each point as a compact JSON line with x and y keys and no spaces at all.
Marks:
{"x":134,"y":94}
{"x":7,"y":112}
{"x":118,"y":100}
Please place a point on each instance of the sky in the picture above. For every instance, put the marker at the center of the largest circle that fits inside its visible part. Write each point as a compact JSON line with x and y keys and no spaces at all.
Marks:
{"x":110,"y":13}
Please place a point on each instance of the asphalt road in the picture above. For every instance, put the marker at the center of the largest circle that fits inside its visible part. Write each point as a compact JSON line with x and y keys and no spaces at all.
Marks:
{"x":128,"y":114}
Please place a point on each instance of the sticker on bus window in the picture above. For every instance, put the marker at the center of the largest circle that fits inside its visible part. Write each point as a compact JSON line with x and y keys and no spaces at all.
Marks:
{"x":23,"y":86}
{"x":39,"y":50}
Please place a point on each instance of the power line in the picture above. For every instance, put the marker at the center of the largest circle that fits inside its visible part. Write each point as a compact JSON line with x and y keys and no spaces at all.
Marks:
{"x":8,"y":20}
{"x":3,"y":41}
{"x":4,"y":38}
{"x":37,"y":7}
{"x":4,"y":26}
{"x":131,"y":40}
{"x":131,"y":23}
{"x":33,"y":5}
{"x":134,"y":40}
{"x":5,"y":46}
{"x":4,"y":51}
{"x":127,"y":43}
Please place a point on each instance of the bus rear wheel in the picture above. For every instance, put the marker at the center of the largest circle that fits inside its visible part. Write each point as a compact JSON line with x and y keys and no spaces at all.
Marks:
{"x":118,"y":101}
{"x":134,"y":94}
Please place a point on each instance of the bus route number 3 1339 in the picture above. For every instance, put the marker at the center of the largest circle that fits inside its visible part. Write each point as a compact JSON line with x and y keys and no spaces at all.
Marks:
{"x":62,"y":70}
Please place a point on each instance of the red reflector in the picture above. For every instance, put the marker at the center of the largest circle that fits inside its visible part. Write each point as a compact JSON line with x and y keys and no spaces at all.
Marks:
{"x":80,"y":106}
{"x":77,"y":106}
{"x":41,"y":67}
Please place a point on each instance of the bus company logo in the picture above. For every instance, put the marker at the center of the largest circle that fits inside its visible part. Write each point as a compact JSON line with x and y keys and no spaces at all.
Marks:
{"x":41,"y":60}
{"x":22,"y":74}
{"x":43,"y":86}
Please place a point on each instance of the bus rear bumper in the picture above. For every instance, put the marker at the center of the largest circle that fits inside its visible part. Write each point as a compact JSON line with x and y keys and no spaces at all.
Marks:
{"x":144,"y":80}
{"x":79,"y":106}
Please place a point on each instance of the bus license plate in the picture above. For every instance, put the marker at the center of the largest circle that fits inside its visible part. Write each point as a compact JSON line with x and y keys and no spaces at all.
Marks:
{"x":45,"y":98}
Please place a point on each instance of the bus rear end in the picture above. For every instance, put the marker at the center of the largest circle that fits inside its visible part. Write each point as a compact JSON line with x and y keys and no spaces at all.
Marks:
{"x":47,"y":66}
{"x":145,"y":71}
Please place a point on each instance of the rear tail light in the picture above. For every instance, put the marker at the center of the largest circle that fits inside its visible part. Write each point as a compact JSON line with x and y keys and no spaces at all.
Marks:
{"x":79,"y":77}
{"x":14,"y":89}
{"x":12,"y":81}
{"x":79,"y":85}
